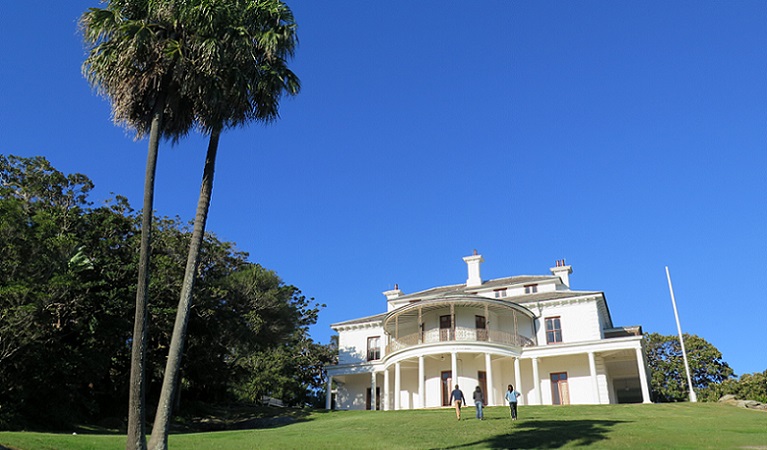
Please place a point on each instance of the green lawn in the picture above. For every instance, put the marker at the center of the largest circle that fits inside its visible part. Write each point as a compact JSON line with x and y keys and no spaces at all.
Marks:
{"x":683,"y":425}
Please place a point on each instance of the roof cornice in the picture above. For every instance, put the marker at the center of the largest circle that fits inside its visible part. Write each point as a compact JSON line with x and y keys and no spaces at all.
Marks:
{"x":355,"y":326}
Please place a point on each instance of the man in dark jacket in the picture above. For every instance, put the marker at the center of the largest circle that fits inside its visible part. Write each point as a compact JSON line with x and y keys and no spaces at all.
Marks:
{"x":456,"y":397}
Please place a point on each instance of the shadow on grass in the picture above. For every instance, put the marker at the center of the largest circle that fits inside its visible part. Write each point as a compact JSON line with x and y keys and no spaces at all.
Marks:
{"x":548,"y":434}
{"x":208,"y":418}
{"x":241,"y":418}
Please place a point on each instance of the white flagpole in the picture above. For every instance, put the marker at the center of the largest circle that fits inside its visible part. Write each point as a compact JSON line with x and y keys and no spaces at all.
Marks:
{"x":693,"y":397}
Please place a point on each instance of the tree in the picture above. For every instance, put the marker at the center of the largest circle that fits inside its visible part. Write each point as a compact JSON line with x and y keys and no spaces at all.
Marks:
{"x":669,"y":379}
{"x":293,"y":372}
{"x":240,"y":49}
{"x":67,"y":284}
{"x":62,"y":280}
{"x":750,"y":386}
{"x":135,"y":60}
{"x":281,"y":360}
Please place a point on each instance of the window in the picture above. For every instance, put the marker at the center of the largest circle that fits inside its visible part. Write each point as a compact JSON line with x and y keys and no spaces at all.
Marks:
{"x":500,"y":293}
{"x":374,"y":348}
{"x":553,"y":330}
{"x":531,"y":289}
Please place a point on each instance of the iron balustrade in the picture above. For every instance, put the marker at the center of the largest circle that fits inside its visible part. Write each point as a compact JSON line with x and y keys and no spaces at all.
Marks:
{"x":460,"y":334}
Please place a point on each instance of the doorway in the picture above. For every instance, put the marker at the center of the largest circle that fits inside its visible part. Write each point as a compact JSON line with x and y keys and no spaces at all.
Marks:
{"x":560,"y":393}
{"x":368,"y":401}
{"x":447,"y":386}
{"x":445,"y":326}
{"x":482,"y":379}
{"x":480,"y":324}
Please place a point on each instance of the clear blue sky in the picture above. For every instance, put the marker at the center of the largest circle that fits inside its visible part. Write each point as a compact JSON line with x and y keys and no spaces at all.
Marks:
{"x":622,"y":136}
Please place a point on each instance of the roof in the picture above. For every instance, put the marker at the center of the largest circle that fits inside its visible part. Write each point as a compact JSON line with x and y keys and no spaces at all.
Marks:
{"x":508,"y":281}
{"x":541,"y":296}
{"x":368,"y":319}
{"x":462,"y":289}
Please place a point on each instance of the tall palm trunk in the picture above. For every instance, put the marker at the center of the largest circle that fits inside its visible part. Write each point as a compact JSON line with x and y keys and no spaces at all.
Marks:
{"x":159,"y":439}
{"x":137,"y":396}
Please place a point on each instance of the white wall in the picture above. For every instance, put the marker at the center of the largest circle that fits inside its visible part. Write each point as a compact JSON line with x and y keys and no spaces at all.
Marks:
{"x":352,"y":344}
{"x":351,"y":391}
{"x":578,"y":378}
{"x":579,"y":322}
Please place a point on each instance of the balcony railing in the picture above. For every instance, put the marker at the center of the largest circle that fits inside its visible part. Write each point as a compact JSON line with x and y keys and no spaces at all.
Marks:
{"x":458,"y":334}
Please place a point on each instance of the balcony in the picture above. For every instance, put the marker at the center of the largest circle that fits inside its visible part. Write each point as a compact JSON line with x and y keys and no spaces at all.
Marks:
{"x":458,"y":318}
{"x":459,"y":334}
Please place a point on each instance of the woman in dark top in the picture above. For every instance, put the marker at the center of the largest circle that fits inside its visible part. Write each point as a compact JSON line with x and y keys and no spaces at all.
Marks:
{"x":479,"y":401}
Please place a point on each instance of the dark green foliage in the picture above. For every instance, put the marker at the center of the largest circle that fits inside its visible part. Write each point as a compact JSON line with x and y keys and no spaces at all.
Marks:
{"x":67,"y":289}
{"x":255,"y":317}
{"x":669,"y":379}
{"x":60,"y":290}
{"x":750,"y":386}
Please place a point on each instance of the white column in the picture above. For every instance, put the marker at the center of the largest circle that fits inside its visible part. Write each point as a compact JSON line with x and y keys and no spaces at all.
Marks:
{"x":518,"y":380}
{"x":386,"y":394}
{"x":643,"y":376}
{"x":396,"y":385}
{"x":421,"y":382}
{"x":594,"y":380}
{"x":489,"y":371}
{"x":537,"y":383}
{"x":454,"y":369}
{"x":329,"y":397}
{"x":372,"y":391}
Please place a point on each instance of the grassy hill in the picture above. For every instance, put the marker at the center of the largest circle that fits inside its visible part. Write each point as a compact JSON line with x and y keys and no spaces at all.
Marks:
{"x":682,"y":425}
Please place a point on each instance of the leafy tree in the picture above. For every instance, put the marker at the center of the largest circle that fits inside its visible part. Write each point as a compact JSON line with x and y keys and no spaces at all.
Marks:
{"x":669,"y":379}
{"x":57,"y":290}
{"x":282,"y":361}
{"x":240,"y":49}
{"x":293,"y":372}
{"x":751,"y":386}
{"x":66,"y":289}
{"x":135,"y":60}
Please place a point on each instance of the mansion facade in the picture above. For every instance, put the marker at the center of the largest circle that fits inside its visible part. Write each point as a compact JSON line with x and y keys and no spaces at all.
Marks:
{"x":554,"y":344}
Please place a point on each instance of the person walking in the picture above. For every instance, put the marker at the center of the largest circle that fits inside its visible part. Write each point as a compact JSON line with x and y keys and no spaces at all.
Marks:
{"x":456,"y":398}
{"x":479,"y":401}
{"x":511,"y":397}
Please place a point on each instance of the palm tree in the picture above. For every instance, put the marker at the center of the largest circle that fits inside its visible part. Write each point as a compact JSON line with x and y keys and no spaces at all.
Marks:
{"x":240,"y":50}
{"x":134,"y":61}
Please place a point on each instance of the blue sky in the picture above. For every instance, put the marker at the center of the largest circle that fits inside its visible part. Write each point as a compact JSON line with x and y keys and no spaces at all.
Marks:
{"x":622,"y":136}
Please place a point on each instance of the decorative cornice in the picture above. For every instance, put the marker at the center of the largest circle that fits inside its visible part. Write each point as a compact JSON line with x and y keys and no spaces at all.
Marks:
{"x":540,"y":304}
{"x":357,"y":326}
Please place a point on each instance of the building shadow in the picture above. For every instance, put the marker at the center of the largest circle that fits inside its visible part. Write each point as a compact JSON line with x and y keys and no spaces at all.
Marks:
{"x":548,"y":434}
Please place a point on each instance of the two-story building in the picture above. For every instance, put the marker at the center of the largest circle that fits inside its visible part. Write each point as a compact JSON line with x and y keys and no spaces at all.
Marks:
{"x":554,"y":344}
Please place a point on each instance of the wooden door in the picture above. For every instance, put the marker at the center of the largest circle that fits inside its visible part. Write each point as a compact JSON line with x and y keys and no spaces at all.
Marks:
{"x":482,"y":379}
{"x":480,"y":323}
{"x":447,"y":386}
{"x":560,"y":393}
{"x":445,"y":325}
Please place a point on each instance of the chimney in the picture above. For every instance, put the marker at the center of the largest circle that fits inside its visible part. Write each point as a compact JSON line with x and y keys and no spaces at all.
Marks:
{"x":473,"y":263}
{"x":392,"y":294}
{"x":562,"y":271}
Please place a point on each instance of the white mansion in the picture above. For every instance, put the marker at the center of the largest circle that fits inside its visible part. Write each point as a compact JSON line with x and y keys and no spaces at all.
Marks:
{"x":555,"y":345}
